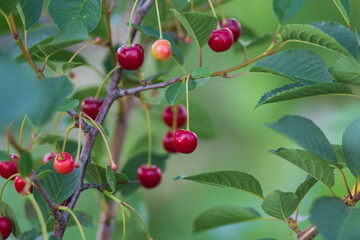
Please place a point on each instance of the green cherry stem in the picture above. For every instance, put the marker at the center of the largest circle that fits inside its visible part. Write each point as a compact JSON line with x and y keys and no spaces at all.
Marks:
{"x":143,"y":100}
{"x":221,"y":12}
{"x":65,"y":140}
{"x":103,"y":82}
{"x":214,"y":13}
{"x":39,"y":214}
{"x":56,"y":131}
{"x":7,"y":138}
{"x":4,"y":185}
{"x":21,"y":131}
{"x":66,"y":209}
{"x":158,"y":17}
{"x":124,"y":222}
{"x":81,"y":49}
{"x":130,"y":23}
{"x":187,"y":104}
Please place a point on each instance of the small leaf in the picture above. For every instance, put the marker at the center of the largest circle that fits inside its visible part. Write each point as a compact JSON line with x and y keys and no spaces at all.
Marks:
{"x":68,"y":66}
{"x":287,"y":9}
{"x":202,"y":72}
{"x":67,"y":105}
{"x":280,"y":204}
{"x":346,"y":70}
{"x":110,"y":178}
{"x":6,"y":211}
{"x":224,"y":215}
{"x":350,"y":146}
{"x":305,"y":187}
{"x":42,"y":175}
{"x":31,"y":234}
{"x":230,"y":179}
{"x":201,"y":81}
{"x":25,"y":164}
{"x":175,"y":92}
{"x":32,"y":10}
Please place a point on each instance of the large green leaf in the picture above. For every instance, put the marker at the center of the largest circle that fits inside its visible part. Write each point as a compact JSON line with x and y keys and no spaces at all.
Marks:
{"x":310,"y":163}
{"x":175,"y":92}
{"x":32,"y":10}
{"x":334,"y":220}
{"x":7,"y":6}
{"x":280,"y":204}
{"x":67,"y":105}
{"x":287,"y":9}
{"x":346,"y":70}
{"x":298,"y":65}
{"x":230,"y":179}
{"x":351,"y":146}
{"x":307,"y":134}
{"x":312,"y":35}
{"x":297,"y":90}
{"x":66,"y":11}
{"x":305,"y":187}
{"x":6,"y":211}
{"x":224,"y":215}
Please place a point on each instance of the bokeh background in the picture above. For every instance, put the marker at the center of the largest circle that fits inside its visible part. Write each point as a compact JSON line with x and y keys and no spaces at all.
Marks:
{"x":240,"y":140}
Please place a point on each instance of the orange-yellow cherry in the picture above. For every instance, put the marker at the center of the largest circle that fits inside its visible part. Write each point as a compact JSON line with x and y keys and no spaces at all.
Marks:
{"x":161,"y":50}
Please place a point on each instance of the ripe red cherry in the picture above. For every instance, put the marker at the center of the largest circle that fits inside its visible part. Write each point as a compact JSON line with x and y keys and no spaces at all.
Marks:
{"x":185,"y":141}
{"x":64,"y":165}
{"x":234,"y":27}
{"x":91,"y":106}
{"x":149,"y":177}
{"x":5,"y":227}
{"x":48,"y":157}
{"x":20,"y":186}
{"x":161,"y":50}
{"x":9,"y":168}
{"x":130,"y":58}
{"x":168,"y":115}
{"x":221,"y":40}
{"x":168,"y":142}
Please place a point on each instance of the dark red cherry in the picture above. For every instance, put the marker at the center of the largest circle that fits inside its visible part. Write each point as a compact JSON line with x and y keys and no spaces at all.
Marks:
{"x":48,"y":157}
{"x":91,"y":106}
{"x":20,"y":186}
{"x":221,"y":40}
{"x":149,"y":177}
{"x":9,"y":168}
{"x":168,"y":115}
{"x":185,"y":141}
{"x":65,"y":164}
{"x":234,"y":27}
{"x":168,"y":142}
{"x":130,"y":58}
{"x":5,"y":227}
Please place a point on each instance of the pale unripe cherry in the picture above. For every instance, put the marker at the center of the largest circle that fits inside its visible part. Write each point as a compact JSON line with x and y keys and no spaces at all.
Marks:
{"x":161,"y":50}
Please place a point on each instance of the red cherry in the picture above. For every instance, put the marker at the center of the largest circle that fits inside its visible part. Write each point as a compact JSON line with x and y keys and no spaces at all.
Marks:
{"x":149,"y":177}
{"x":234,"y":27}
{"x":91,"y":106}
{"x":9,"y":168}
{"x":221,"y":40}
{"x":65,"y":165}
{"x":167,"y":115}
{"x":5,"y":227}
{"x":20,"y":186}
{"x":168,"y":142}
{"x":48,"y":157}
{"x":161,"y":50}
{"x":130,"y":58}
{"x":185,"y":141}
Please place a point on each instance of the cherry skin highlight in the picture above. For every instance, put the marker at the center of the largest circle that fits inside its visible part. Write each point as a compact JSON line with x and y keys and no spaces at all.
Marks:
{"x":64,"y":165}
{"x":48,"y":157}
{"x":91,"y":106}
{"x":130,"y":58}
{"x":5,"y":227}
{"x":234,"y":27}
{"x":168,"y":142}
{"x":20,"y":185}
{"x":9,"y":168}
{"x":168,"y":115}
{"x":221,"y":40}
{"x":149,"y":177}
{"x":161,"y":50}
{"x":185,"y":141}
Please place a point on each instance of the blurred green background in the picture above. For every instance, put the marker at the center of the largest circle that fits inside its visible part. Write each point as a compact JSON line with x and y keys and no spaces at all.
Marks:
{"x":241,"y":143}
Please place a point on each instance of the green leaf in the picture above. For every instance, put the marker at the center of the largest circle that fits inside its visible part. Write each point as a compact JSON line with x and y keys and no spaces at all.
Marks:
{"x":339,"y":155}
{"x":8,"y":6}
{"x":67,"y":105}
{"x":68,"y":66}
{"x":307,"y":134}
{"x":4,"y":156}
{"x":305,"y":187}
{"x":72,"y":31}
{"x":175,"y":92}
{"x":224,"y":215}
{"x":110,"y":178}
{"x":335,"y":220}
{"x":25,"y":164}
{"x":198,"y":25}
{"x":42,"y":175}
{"x":6,"y":211}
{"x":346,"y":70}
{"x":297,"y":65}
{"x":350,"y":147}
{"x":311,"y":35}
{"x":287,"y":9}
{"x":131,"y":166}
{"x":230,"y":179}
{"x":344,"y":8}
{"x":310,"y":163}
{"x":280,"y":204}
{"x":31,"y":234}
{"x":32,"y":10}
{"x":297,"y":90}
{"x":65,"y":11}
{"x":202,"y":72}
{"x":201,"y":81}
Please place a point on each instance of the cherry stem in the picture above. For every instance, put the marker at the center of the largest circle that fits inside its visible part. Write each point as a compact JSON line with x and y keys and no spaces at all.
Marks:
{"x":187,"y":104}
{"x":130,"y":23}
{"x":103,"y":82}
{"x":66,"y":209}
{"x":81,"y":49}
{"x":143,"y":100}
{"x":79,"y":142}
{"x":56,"y":131}
{"x":124,"y":222}
{"x":345,"y":181}
{"x":175,"y":115}
{"x":21,"y":130}
{"x":224,"y":21}
{"x":158,"y":17}
{"x":3,"y":187}
{"x":39,"y":214}
{"x":65,"y":139}
{"x":214,"y":13}
{"x":7,"y":139}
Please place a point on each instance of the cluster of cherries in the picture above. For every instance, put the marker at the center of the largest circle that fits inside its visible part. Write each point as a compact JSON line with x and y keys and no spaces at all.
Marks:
{"x":223,"y":38}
